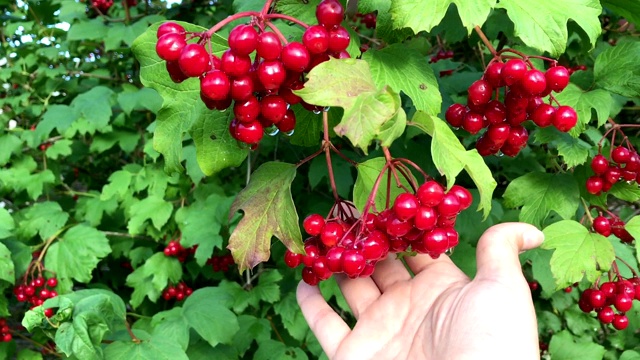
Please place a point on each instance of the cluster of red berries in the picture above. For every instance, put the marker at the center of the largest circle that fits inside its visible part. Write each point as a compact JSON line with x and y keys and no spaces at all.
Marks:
{"x":178,"y":292}
{"x":102,"y":5}
{"x":624,"y":165}
{"x":5,"y":332}
{"x":609,"y":295}
{"x":423,"y":221}
{"x":523,"y":100}
{"x":175,"y":249}
{"x":369,"y":20}
{"x":441,"y":55}
{"x":262,"y":90}
{"x":221,"y":262}
{"x":577,"y":68}
{"x":37,"y":291}
{"x":615,"y":226}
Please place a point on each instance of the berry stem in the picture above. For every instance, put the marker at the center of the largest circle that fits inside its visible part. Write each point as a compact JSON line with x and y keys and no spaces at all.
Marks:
{"x":310,"y":157}
{"x":131,"y":334}
{"x":374,"y":190}
{"x":486,"y":41}
{"x":335,"y":150}
{"x":229,"y":19}
{"x":266,"y":8}
{"x":277,"y":31}
{"x":327,"y":152}
{"x":587,"y":211}
{"x":635,"y":274}
{"x":415,"y":166}
{"x":286,"y":18}
{"x":406,"y":173}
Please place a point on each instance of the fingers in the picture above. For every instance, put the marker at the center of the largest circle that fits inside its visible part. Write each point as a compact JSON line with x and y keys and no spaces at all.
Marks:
{"x":388,"y":272}
{"x":329,"y":328}
{"x":359,"y":293}
{"x":421,"y":262}
{"x":499,"y":247}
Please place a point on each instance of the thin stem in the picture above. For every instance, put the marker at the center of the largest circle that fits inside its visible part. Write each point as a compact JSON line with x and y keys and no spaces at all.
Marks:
{"x":587,"y":210}
{"x":335,"y":150}
{"x":277,"y":32}
{"x":229,"y":19}
{"x":266,"y":7}
{"x":327,"y":152}
{"x":486,"y":41}
{"x":415,"y":166}
{"x":635,"y":274}
{"x":286,"y":18}
{"x":374,"y":190}
{"x":131,"y":334}
{"x":406,"y":173}
{"x":309,"y":158}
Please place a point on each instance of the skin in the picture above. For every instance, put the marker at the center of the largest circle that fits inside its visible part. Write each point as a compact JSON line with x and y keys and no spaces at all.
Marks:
{"x":440,"y":313}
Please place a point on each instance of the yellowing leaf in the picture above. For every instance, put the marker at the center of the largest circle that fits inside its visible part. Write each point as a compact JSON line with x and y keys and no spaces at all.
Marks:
{"x":425,"y":15}
{"x":578,"y":252}
{"x":268,"y":211}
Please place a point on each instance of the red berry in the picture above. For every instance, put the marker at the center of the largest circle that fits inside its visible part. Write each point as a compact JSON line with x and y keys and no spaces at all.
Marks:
{"x":498,"y":134}
{"x":534,"y":82}
{"x":249,"y":133}
{"x":495,"y":112}
{"x":620,"y":321}
{"x":430,"y":193}
{"x":269,"y":46}
{"x":194,"y":60}
{"x":565,"y":118}
{"x":518,"y":136}
{"x":243,"y":39}
{"x":455,"y":114}
{"x":480,"y":92}
{"x":612,"y":175}
{"x":606,"y":315}
{"x":436,"y":242}
{"x":623,"y":302}
{"x":353,"y":262}
{"x":235,"y":65}
{"x":543,"y":115}
{"x":48,"y":312}
{"x":602,"y":225}
{"x":295,"y":56}
{"x":331,"y":233}
{"x":170,"y":27}
{"x":311,"y":254}
{"x":473,"y":122}
{"x":594,"y":185}
{"x":271,"y":74}
{"x":309,"y":276}
{"x":321,"y":268}
{"x":292,"y":259}
{"x":316,"y":39}
{"x":339,"y":39}
{"x":29,"y":290}
{"x":170,"y":46}
{"x":334,"y":259}
{"x":599,"y":164}
{"x":375,"y":246}
{"x":493,"y":74}
{"x":597,"y":298}
{"x":463,"y":195}
{"x":621,"y":155}
{"x":557,"y":78}
{"x":313,"y":224}
{"x":397,"y":227}
{"x":425,"y":218}
{"x":52,"y":282}
{"x":7,"y":337}
{"x":241,"y":88}
{"x":175,"y":73}
{"x":215,"y":85}
{"x":329,"y":13}
{"x":288,"y":123}
{"x":273,"y":108}
{"x":247,"y":111}
{"x":405,"y":206}
{"x":513,"y":71}
{"x":450,"y":205}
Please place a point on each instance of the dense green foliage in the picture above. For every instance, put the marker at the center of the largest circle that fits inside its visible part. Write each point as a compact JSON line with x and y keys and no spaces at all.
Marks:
{"x":100,"y":172}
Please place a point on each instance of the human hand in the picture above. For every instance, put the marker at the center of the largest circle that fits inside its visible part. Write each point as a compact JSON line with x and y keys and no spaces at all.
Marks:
{"x":438,"y":314}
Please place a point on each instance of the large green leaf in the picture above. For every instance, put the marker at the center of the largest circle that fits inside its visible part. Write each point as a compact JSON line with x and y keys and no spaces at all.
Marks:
{"x":540,"y":193}
{"x":617,"y":69}
{"x":7,"y":224}
{"x":578,"y":252}
{"x":404,"y":69}
{"x":268,"y":211}
{"x":153,"y":276}
{"x":182,"y":111}
{"x":629,"y":9}
{"x":424,"y":16}
{"x":450,"y":157}
{"x":43,"y":218}
{"x":156,"y":348}
{"x":368,"y":172}
{"x":7,"y":269}
{"x":574,"y":151}
{"x":583,"y":101}
{"x":542,"y":24}
{"x":564,"y":347}
{"x":153,"y":208}
{"x":207,"y":312}
{"x":369,"y":113}
{"x":633,"y":227}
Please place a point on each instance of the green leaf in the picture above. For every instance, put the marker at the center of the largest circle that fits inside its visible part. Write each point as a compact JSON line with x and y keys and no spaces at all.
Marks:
{"x":138,"y":99}
{"x":119,"y":182}
{"x":450,"y":158}
{"x":268,"y":288}
{"x":7,"y":270}
{"x":182,"y":111}
{"x":617,"y":70}
{"x":368,"y":172}
{"x":74,"y":339}
{"x":93,"y":109}
{"x":172,"y":325}
{"x":583,"y":101}
{"x":404,"y":69}
{"x":153,"y":208}
{"x":157,"y":348}
{"x":87,"y":30}
{"x":369,"y":113}
{"x":153,"y":277}
{"x":77,"y":253}
{"x":625,"y":191}
{"x":633,"y":227}
{"x":564,"y":347}
{"x":58,"y":117}
{"x":9,"y":145}
{"x":268,"y":211}
{"x":125,"y":139}
{"x":630,"y":355}
{"x":26,"y":354}
{"x":59,"y":148}
{"x":303,"y":11}
{"x":273,"y":349}
{"x":540,"y":260}
{"x":578,"y":253}
{"x":292,"y":318}
{"x":91,"y":209}
{"x":44,"y":218}
{"x":540,"y":193}
{"x":629,"y":9}
{"x":251,"y":329}
{"x":574,"y":151}
{"x":419,"y":16}
{"x":341,"y":171}
{"x":207,"y":312}
{"x":7,"y":224}
{"x":548,"y":31}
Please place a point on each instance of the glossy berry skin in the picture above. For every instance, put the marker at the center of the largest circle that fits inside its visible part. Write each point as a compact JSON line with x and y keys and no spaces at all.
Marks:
{"x":170,"y":27}
{"x":194,"y":60}
{"x":480,"y":92}
{"x":534,"y":82}
{"x":215,"y":85}
{"x":602,"y":225}
{"x":339,"y":39}
{"x":620,"y":322}
{"x":473,"y":122}
{"x":313,"y":224}
{"x":498,"y":134}
{"x":396,"y":227}
{"x":436,"y":242}
{"x":557,"y":78}
{"x":405,"y":206}
{"x":621,"y":155}
{"x":375,"y":246}
{"x":311,"y":254}
{"x":455,"y":114}
{"x":316,"y":39}
{"x":52,"y":282}
{"x":518,"y":136}
{"x":248,"y":110}
{"x":513,"y":71}
{"x":353,"y":262}
{"x":250,"y":133}
{"x":271,"y":74}
{"x":288,"y":123}
{"x":235,"y":65}
{"x":599,"y":164}
{"x":334,"y":259}
{"x":331,"y":233}
{"x":309,"y":277}
{"x":623,"y":303}
{"x":425,"y":218}
{"x":170,"y":46}
{"x":450,"y":205}
{"x":565,"y":118}
{"x":495,"y":112}
{"x":273,"y":108}
{"x":321,"y":268}
{"x":269,"y":46}
{"x":606,"y":315}
{"x":329,"y":13}
{"x":543,"y":115}
{"x":430,"y":193}
{"x":292,"y":259}
{"x":493,"y":74}
{"x":295,"y":57}
{"x":464,"y":196}
{"x":243,"y":39}
{"x":241,"y":88}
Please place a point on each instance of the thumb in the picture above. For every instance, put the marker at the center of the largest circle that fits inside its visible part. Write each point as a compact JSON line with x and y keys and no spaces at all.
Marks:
{"x":499,"y":247}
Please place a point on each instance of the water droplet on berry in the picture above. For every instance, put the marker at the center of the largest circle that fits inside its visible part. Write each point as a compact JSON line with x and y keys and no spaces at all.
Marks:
{"x":271,"y":130}
{"x":317,"y":112}
{"x":289,"y":133}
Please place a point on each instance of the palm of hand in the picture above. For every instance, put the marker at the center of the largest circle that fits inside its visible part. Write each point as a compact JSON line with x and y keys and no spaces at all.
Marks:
{"x":439,"y":313}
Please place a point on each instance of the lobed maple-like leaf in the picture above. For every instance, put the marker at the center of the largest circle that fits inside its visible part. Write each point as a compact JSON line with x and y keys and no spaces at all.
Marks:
{"x":422,"y":15}
{"x":268,"y":211}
